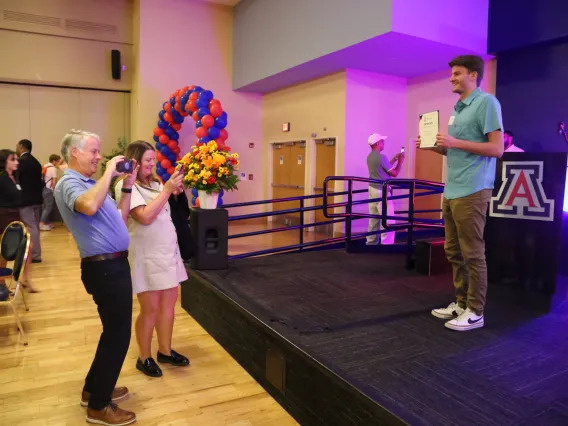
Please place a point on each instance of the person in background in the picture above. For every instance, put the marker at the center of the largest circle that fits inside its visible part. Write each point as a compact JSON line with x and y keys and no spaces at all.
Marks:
{"x":472,"y":146}
{"x":10,"y":202}
{"x":380,"y":168}
{"x":50,"y":177}
{"x":179,"y":208}
{"x":31,"y":181}
{"x":509,"y":145}
{"x":99,"y":229}
{"x":157,"y":267}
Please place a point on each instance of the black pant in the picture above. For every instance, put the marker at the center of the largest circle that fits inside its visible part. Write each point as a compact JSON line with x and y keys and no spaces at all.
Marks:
{"x":110,"y":284}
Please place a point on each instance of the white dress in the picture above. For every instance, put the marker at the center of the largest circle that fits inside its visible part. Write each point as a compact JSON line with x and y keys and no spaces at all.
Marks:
{"x":154,"y":256}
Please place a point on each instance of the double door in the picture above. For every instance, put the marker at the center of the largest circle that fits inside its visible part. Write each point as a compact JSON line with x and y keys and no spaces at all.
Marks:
{"x":325,"y":166}
{"x":288,"y":174}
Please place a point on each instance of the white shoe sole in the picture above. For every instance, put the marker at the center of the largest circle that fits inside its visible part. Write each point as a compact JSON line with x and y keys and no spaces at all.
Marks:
{"x":102,"y":422}
{"x":465,"y":327}
{"x":443,"y":316}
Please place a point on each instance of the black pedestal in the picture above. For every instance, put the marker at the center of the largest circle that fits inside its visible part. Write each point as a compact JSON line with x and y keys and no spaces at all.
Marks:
{"x":210,"y":233}
{"x":431,"y":258}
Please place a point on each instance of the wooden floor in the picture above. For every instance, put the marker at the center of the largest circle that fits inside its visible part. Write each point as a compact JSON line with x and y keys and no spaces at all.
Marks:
{"x":41,"y":384}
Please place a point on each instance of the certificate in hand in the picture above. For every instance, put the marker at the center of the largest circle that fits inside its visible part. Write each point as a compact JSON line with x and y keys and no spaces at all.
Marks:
{"x":428,"y":129}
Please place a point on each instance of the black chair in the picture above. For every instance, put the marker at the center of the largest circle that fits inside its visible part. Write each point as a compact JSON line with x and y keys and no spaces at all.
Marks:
{"x":15,"y":247}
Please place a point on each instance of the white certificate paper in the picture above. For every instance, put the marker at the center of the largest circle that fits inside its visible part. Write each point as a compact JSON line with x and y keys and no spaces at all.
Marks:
{"x":428,"y":129}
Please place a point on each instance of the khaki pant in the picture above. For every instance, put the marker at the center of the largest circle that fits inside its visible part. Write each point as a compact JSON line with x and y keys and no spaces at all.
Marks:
{"x":465,"y":248}
{"x":375,"y":224}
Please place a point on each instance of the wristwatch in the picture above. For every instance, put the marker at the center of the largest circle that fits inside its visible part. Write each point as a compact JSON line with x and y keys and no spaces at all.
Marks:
{"x":126,"y":190}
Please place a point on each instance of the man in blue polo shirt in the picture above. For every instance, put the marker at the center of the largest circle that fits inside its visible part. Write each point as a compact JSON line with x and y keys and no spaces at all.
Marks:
{"x":472,"y":145}
{"x":99,"y":229}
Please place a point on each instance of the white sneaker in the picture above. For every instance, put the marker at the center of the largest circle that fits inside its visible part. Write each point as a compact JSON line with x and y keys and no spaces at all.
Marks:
{"x":468,"y":320}
{"x":45,"y":228}
{"x":453,"y":310}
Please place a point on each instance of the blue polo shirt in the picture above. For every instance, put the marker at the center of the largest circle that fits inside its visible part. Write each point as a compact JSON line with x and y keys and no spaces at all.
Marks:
{"x":472,"y":120}
{"x":104,"y":232}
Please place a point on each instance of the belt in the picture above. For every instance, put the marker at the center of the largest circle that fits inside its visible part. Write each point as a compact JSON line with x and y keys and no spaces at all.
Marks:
{"x":109,"y":256}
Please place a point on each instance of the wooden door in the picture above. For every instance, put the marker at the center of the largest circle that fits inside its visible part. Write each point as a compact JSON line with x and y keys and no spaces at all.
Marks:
{"x":288,"y":178}
{"x":325,"y":166}
{"x":428,"y":166}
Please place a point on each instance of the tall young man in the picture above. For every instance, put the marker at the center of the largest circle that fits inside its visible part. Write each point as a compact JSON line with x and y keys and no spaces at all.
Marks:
{"x":472,"y":145}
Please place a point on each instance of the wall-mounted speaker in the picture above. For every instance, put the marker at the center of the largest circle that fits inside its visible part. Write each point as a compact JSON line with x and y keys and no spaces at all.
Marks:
{"x":116,"y":66}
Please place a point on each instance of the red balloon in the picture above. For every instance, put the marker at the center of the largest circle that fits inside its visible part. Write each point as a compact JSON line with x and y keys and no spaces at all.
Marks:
{"x":159,"y":156}
{"x":201,"y":132}
{"x":171,"y":170}
{"x":216,"y":110}
{"x":164,"y":139}
{"x":176,"y":150}
{"x":168,"y":107}
{"x":191,"y":105}
{"x":158,"y":131}
{"x":166,"y":163}
{"x":192,"y":87}
{"x":178,"y":98}
{"x":220,"y":142}
{"x":172,"y":144}
{"x":224,"y":134}
{"x":193,"y":96}
{"x":176,"y":126}
{"x":185,"y":89}
{"x":168,"y":117}
{"x":207,"y":121}
{"x":178,"y":107}
{"x":195,"y":116}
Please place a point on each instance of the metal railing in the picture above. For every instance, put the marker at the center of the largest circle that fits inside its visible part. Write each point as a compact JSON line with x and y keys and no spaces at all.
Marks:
{"x":430,"y":188}
{"x":345,"y":218}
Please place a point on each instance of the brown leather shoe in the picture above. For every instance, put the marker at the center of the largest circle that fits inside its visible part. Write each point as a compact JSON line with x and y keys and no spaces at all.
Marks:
{"x":118,"y":394}
{"x":111,"y":415}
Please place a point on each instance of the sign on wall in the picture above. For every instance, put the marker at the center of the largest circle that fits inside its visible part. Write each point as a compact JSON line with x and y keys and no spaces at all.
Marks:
{"x":522,"y":195}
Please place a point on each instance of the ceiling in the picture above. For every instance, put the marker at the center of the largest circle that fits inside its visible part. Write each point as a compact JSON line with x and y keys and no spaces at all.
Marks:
{"x":223,"y":2}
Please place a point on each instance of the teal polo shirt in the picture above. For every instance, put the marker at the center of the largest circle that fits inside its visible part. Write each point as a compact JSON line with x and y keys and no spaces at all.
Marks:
{"x":472,"y":120}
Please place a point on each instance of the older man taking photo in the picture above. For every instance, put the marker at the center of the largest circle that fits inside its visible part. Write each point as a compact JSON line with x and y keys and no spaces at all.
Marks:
{"x":99,"y":229}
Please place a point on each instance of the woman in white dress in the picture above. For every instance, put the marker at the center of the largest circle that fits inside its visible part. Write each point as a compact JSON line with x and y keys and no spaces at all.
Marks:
{"x":155,"y":260}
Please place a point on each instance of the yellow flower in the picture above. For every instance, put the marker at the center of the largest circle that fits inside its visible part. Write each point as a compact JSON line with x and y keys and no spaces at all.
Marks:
{"x":204,"y":182}
{"x":219,"y":159}
{"x":208,"y":162}
{"x":219,"y":175}
{"x":235,"y":155}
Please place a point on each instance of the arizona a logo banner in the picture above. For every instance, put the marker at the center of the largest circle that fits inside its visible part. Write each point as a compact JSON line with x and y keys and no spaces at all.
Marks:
{"x":521,"y":195}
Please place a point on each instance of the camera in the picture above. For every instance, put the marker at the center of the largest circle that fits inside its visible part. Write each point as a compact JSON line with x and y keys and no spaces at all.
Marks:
{"x":124,"y":166}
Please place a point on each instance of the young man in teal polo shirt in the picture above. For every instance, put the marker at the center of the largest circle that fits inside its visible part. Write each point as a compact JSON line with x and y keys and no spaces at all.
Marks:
{"x":472,"y":145}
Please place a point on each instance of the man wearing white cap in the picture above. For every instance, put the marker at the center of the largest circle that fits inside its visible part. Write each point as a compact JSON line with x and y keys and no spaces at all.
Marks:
{"x":380,"y":168}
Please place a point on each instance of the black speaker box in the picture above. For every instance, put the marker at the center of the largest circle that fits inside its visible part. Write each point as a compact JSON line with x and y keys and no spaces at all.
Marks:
{"x":431,"y":257}
{"x":210,"y":232}
{"x":116,"y":66}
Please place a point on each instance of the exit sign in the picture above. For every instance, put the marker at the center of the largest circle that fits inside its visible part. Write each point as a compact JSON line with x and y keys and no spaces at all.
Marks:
{"x":286,"y":127}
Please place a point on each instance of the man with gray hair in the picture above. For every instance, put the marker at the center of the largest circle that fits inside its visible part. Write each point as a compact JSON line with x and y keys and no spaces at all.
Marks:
{"x":99,"y":229}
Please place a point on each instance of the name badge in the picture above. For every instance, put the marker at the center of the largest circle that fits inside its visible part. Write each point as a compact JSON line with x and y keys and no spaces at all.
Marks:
{"x":18,"y":187}
{"x":452,"y":118}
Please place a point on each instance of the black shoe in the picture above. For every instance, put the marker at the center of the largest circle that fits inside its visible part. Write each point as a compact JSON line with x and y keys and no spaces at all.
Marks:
{"x":36,"y":260}
{"x":174,"y":359}
{"x":149,"y":367}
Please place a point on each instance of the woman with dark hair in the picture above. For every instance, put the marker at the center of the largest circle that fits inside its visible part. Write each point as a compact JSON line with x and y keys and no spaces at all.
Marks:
{"x":10,"y":201}
{"x":155,"y":261}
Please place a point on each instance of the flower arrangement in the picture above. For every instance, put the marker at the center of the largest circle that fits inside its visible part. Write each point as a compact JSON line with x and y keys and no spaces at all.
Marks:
{"x":211,"y":167}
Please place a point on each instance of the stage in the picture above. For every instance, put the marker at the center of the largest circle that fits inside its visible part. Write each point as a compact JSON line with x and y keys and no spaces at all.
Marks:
{"x":348,"y":339}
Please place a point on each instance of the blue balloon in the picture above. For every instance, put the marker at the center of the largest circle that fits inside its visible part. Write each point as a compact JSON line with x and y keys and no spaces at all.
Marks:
{"x":193,"y":200}
{"x":194,"y":192}
{"x":219,"y":202}
{"x":162,"y":124}
{"x":183,"y":103}
{"x":220,"y":123}
{"x":165,"y":176}
{"x":159,"y":169}
{"x":206,"y":94}
{"x":198,"y":124}
{"x":224,"y":116}
{"x":165,"y":151}
{"x":221,"y":192}
{"x":185,"y":97}
{"x":170,"y":132}
{"x":175,"y":136}
{"x":198,"y":89}
{"x":157,"y":139}
{"x":161,"y":114}
{"x":172,"y":157}
{"x":213,"y":132}
{"x":202,"y":102}
{"x":204,"y":139}
{"x":202,"y":112}
{"x":178,"y":118}
{"x":158,"y":145}
{"x":173,"y":100}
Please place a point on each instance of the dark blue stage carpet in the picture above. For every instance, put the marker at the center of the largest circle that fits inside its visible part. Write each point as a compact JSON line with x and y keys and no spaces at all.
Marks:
{"x":368,"y":320}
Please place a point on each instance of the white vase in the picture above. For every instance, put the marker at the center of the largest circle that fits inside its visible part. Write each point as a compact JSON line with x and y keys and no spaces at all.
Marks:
{"x":208,"y":201}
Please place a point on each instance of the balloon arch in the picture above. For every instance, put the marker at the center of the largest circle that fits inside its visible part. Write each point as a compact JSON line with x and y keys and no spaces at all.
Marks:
{"x":210,"y":122}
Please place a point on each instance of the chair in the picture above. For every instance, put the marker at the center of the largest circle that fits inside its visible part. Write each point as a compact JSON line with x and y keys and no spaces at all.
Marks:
{"x":15,"y":246}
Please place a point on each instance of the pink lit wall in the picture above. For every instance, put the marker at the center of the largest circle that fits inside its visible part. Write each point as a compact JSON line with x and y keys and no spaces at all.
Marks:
{"x":183,"y":43}
{"x":374,"y":103}
{"x":443,"y":21}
